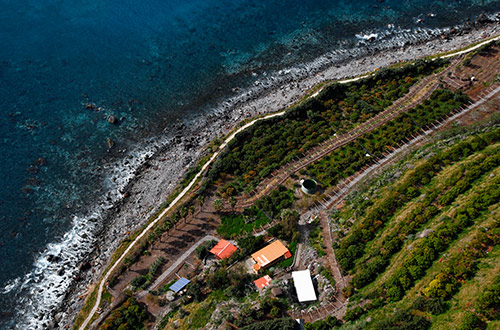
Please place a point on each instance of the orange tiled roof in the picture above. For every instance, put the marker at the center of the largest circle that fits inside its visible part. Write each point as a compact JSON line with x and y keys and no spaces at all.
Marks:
{"x":223,"y":249}
{"x":263,"y":282}
{"x":270,"y":253}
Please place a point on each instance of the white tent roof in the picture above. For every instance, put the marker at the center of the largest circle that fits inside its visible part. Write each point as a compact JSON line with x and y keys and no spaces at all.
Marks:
{"x":304,"y":285}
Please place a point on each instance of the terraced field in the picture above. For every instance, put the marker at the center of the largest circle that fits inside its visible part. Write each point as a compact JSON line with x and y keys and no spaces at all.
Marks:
{"x":421,"y":250}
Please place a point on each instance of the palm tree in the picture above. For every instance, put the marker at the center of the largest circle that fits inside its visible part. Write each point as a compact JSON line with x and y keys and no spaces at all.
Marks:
{"x":183,"y":212}
{"x":175,"y":218}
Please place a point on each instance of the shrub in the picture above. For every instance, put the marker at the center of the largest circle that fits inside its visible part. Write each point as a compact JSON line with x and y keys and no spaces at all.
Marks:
{"x":471,"y":322}
{"x":277,"y":324}
{"x":130,"y":315}
{"x":354,"y":313}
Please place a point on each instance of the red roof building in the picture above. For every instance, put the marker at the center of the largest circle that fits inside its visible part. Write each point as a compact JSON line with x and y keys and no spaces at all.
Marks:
{"x":270,"y":254}
{"x":223,"y":249}
{"x":263,"y":282}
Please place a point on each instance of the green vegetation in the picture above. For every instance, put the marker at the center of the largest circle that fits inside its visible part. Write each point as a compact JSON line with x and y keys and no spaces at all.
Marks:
{"x":288,"y":262}
{"x":424,"y":237}
{"x":352,"y":246}
{"x":204,"y":249}
{"x":277,"y":200}
{"x":326,"y":273}
{"x":423,"y":255}
{"x":143,"y":281}
{"x":316,"y":238}
{"x":347,"y":160}
{"x":277,"y":324}
{"x":267,"y":208}
{"x":463,"y":266}
{"x":268,"y":144}
{"x":329,"y":323}
{"x":489,"y":302}
{"x":129,"y":316}
{"x":287,"y":228}
{"x":235,"y":225}
{"x":424,"y":211}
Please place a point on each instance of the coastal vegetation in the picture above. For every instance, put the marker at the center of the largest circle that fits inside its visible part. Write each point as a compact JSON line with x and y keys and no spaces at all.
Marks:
{"x":130,"y":315}
{"x":350,"y":158}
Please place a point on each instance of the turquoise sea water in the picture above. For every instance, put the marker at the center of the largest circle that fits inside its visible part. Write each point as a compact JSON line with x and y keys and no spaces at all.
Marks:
{"x":66,"y":66}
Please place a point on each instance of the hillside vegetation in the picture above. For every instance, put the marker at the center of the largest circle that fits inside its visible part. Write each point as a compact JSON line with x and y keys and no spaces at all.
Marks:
{"x":420,"y":245}
{"x":267,"y":145}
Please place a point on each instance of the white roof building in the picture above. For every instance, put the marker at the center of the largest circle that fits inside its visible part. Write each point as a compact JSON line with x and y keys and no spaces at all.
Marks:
{"x":304,"y":285}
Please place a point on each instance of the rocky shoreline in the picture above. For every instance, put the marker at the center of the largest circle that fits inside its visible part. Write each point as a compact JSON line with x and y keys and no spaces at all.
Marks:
{"x":156,"y":178}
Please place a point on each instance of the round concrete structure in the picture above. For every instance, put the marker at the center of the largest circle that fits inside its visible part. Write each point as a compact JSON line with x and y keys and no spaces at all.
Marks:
{"x":309,"y":186}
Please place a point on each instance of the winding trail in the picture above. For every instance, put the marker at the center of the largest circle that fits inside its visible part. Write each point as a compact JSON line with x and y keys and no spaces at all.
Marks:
{"x":107,"y":274}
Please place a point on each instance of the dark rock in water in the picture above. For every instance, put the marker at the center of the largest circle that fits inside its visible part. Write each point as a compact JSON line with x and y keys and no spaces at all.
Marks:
{"x":41,"y":161}
{"x":110,"y":142}
{"x":53,"y":258}
{"x":112,"y":120}
{"x":33,"y":169}
{"x":90,"y":106}
{"x":85,"y":266}
{"x":483,"y":19}
{"x":28,"y":190}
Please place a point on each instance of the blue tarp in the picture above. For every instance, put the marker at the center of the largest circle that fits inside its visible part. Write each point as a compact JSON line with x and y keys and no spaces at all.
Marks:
{"x":179,"y":285}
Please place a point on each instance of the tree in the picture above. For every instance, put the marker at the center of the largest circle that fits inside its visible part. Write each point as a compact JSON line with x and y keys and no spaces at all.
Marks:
{"x":201,"y":200}
{"x":232,"y":202}
{"x":218,"y":205}
{"x":130,"y":315}
{"x":183,"y":211}
{"x":175,"y":218}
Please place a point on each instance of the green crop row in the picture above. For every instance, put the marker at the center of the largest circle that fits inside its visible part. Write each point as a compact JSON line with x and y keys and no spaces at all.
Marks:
{"x":352,"y":246}
{"x":425,"y":210}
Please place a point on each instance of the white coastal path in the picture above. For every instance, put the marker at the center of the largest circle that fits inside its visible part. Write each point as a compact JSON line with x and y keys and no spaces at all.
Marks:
{"x":106,"y":276}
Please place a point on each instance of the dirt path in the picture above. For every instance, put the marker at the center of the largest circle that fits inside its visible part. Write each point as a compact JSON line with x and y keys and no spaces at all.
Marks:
{"x":340,"y":282}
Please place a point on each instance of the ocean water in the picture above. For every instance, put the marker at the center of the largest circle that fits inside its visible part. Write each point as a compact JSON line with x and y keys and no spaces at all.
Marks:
{"x":66,"y":66}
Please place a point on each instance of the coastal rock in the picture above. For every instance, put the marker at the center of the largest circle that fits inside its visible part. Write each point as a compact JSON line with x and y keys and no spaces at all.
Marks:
{"x":53,"y":258}
{"x":110,"y":142}
{"x":483,"y":19}
{"x":112,"y":120}
{"x":41,"y":161}
{"x":85,"y":266}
